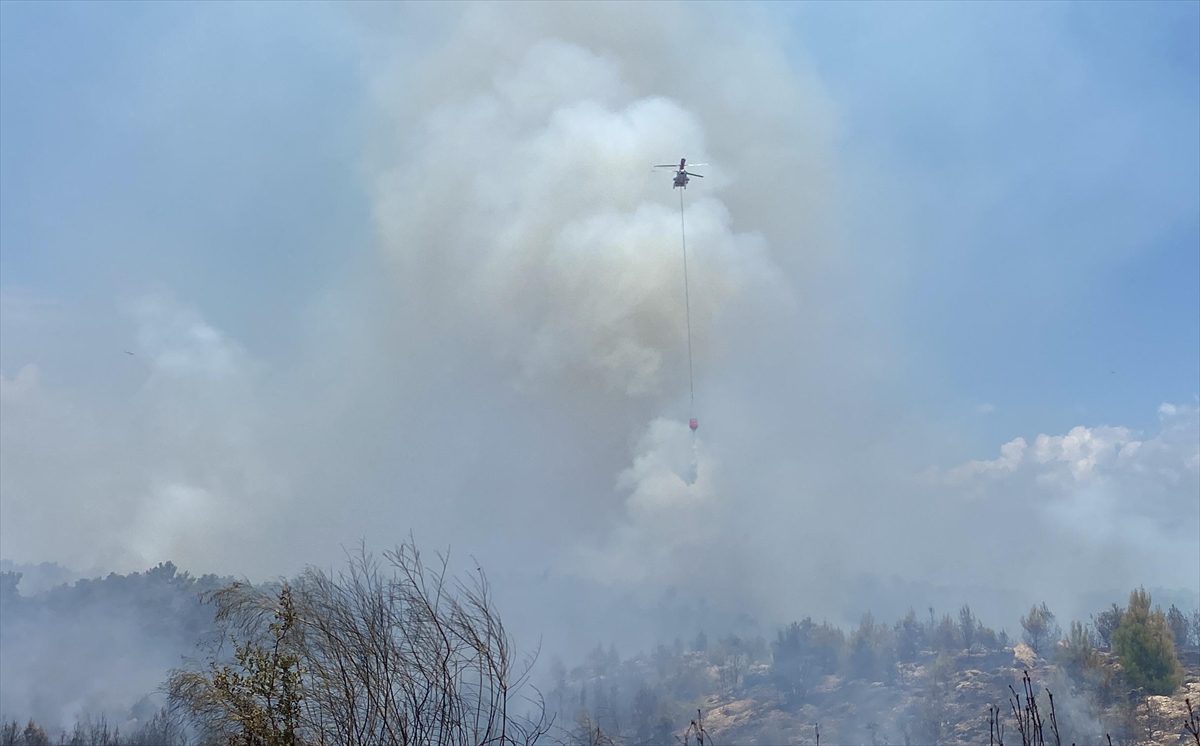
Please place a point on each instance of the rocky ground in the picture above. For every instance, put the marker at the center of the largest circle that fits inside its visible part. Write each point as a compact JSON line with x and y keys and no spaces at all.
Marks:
{"x":946,"y":705}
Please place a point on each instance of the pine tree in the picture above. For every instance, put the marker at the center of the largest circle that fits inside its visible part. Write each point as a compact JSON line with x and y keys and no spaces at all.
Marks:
{"x":1145,"y":648}
{"x":1040,"y":628}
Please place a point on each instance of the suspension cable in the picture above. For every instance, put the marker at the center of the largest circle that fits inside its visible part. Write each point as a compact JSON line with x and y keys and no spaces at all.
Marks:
{"x":688,"y":306}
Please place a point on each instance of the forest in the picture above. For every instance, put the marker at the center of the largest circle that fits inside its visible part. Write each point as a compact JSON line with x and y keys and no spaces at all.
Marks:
{"x":803,"y":373}
{"x":394,"y":649}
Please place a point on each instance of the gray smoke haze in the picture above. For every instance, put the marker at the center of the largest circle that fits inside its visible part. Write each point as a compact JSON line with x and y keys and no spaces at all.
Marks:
{"x":498,"y":363}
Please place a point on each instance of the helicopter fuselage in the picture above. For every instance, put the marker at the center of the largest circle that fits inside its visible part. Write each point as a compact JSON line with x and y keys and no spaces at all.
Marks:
{"x":682,"y":177}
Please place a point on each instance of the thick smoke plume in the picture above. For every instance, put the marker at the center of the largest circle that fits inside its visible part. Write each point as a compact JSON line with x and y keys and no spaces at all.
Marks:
{"x":501,"y":367}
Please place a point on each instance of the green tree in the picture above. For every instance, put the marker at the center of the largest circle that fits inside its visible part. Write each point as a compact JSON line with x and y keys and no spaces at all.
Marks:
{"x":802,"y":653}
{"x":1040,"y":628}
{"x":968,"y":626}
{"x":909,"y":634}
{"x":256,"y":701}
{"x":1178,"y":623}
{"x":647,"y":713}
{"x":1077,"y":655}
{"x":1145,"y":649}
{"x":1106,"y":622}
{"x":382,"y":652}
{"x":871,"y":655}
{"x":945,"y":636}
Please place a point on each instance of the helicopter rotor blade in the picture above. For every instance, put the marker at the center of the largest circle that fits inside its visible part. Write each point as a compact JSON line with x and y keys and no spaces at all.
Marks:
{"x":698,"y":176}
{"x":666,"y":165}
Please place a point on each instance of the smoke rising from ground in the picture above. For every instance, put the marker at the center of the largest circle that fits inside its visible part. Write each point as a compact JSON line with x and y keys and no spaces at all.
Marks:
{"x":502,"y":368}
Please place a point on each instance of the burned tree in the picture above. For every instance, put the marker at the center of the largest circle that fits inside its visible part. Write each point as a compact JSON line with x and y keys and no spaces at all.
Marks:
{"x":385,"y":652}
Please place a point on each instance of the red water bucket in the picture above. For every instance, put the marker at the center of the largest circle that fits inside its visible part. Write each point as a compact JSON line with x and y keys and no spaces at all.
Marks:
{"x":694,"y":424}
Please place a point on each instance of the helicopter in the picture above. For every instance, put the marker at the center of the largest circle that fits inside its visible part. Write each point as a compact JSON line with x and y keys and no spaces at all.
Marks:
{"x":681,"y":172}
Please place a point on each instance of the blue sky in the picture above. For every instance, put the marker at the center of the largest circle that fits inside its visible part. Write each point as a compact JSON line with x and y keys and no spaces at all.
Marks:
{"x":1046,"y":160}
{"x":985,"y":219}
{"x":208,"y":150}
{"x":1036,"y":167}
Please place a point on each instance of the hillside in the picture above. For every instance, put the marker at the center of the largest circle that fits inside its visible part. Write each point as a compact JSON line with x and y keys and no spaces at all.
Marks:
{"x":938,"y":698}
{"x":920,"y":708}
{"x":95,"y":648}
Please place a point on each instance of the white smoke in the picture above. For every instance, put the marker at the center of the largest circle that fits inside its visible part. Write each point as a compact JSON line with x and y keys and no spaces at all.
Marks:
{"x":504,"y":369}
{"x":155,"y":474}
{"x":524,"y":213}
{"x":551,"y":234}
{"x":671,"y":505}
{"x":1108,"y":494}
